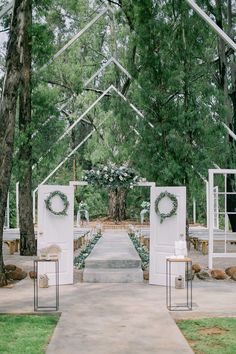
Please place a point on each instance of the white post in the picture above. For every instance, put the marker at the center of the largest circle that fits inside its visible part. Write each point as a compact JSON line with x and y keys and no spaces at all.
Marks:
{"x":7,"y":214}
{"x":216,"y":207}
{"x":34,"y":208}
{"x":194,"y":210}
{"x":8,"y":211}
{"x":207,"y":203}
{"x":211,"y":216}
{"x":17,"y":205}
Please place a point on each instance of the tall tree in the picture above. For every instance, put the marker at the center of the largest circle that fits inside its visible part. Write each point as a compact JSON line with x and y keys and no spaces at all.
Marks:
{"x":27,"y":237}
{"x":8,"y":111}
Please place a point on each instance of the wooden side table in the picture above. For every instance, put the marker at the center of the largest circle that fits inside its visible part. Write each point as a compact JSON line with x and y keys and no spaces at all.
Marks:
{"x":187,"y":306}
{"x":36,"y":285}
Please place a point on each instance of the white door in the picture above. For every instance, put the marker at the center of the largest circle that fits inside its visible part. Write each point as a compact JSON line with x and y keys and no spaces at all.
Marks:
{"x":163,"y":235}
{"x":56,"y":229}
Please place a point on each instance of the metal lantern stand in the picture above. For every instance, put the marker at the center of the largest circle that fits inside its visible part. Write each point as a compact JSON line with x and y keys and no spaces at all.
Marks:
{"x":36,"y":295}
{"x":188,"y":282}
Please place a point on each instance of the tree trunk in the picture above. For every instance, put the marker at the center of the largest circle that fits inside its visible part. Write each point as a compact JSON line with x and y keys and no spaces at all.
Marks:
{"x":27,"y":237}
{"x":8,"y":114}
{"x":117,"y":204}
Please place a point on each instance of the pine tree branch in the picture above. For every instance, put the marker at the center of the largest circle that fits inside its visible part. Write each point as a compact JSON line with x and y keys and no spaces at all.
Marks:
{"x":114,"y":2}
{"x":96,"y":91}
{"x":55,"y":83}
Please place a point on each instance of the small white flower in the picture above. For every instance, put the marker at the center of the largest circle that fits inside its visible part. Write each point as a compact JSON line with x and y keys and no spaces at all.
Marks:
{"x":105,"y":168}
{"x":121,"y":178}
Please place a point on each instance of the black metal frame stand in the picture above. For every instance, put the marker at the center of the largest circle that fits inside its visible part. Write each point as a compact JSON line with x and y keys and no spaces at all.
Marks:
{"x":188,"y":281}
{"x":36,"y":297}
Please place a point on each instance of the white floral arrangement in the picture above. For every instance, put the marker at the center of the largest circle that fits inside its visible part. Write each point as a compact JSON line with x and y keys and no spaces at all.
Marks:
{"x":145,"y":205}
{"x":83,"y":206}
{"x":112,"y":176}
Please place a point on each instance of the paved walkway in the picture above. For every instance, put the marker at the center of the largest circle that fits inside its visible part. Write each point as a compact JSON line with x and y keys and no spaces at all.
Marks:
{"x":105,"y":318}
{"x":113,"y":260}
{"x":118,"y":318}
{"x":121,"y":318}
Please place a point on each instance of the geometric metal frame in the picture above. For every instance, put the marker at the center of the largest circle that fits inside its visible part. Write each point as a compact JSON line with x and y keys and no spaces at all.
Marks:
{"x":212,"y":24}
{"x":6,"y":9}
{"x":111,"y":87}
{"x":110,"y":61}
{"x":211,"y":254}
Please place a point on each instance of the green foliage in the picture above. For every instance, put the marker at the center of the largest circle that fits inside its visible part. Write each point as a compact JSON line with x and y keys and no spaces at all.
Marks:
{"x":173,"y":59}
{"x":31,"y":333}
{"x":173,"y":209}
{"x":198,"y":332}
{"x":64,"y":199}
{"x":95,"y":198}
{"x":79,"y":261}
{"x":143,"y":252}
{"x":42,"y":43}
{"x":112,"y":176}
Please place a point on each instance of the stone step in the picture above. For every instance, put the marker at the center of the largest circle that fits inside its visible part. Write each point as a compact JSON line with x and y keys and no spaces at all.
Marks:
{"x":113,"y":275}
{"x":112,"y":263}
{"x":113,"y":260}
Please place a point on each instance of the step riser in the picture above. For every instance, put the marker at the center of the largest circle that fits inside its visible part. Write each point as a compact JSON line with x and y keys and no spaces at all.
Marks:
{"x":113,"y":277}
{"x":112,"y":264}
{"x":113,"y":260}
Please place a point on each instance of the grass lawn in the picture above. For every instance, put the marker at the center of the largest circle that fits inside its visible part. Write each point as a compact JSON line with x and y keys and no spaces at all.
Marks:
{"x":27,"y":334}
{"x":210,"y":335}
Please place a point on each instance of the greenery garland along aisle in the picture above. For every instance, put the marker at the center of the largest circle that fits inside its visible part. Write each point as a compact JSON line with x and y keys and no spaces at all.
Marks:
{"x":174,"y":201}
{"x":48,"y":203}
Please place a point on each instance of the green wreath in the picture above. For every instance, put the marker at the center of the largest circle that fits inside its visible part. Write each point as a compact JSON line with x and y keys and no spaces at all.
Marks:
{"x":174,"y":201}
{"x":48,"y":203}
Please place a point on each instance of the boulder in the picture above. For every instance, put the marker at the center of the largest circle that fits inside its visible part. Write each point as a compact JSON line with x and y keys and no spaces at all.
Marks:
{"x":218,"y":274}
{"x":16,"y":275}
{"x":231,"y":271}
{"x":188,"y":275}
{"x":203,"y":274}
{"x":10,"y":267}
{"x":32,"y":274}
{"x":196,"y":268}
{"x":233,"y":276}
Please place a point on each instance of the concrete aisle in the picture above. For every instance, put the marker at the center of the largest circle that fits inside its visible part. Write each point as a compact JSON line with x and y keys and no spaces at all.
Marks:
{"x":121,"y":318}
{"x":105,"y":318}
{"x":116,"y":319}
{"x":113,"y":260}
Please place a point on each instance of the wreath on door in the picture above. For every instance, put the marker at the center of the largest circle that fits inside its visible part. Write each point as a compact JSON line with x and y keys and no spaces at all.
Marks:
{"x":172,"y":211}
{"x":48,"y":203}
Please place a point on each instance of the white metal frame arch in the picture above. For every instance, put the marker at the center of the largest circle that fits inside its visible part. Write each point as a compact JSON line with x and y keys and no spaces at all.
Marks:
{"x":135,"y":109}
{"x":191,"y":3}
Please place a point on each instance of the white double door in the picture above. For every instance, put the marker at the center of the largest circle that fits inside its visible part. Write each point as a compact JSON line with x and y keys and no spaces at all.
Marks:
{"x":56,"y":230}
